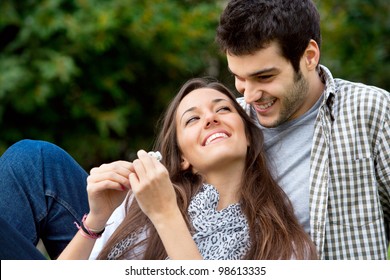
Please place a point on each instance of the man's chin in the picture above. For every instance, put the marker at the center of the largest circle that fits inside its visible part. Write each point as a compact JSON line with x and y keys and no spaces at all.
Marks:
{"x":268,"y":123}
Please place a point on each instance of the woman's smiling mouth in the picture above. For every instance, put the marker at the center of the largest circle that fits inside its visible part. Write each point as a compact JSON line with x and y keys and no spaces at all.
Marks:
{"x":214,"y":136}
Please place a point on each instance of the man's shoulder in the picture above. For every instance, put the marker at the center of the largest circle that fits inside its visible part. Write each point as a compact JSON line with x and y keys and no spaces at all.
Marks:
{"x":370,"y":103}
{"x":342,"y":88}
{"x":349,"y":90}
{"x":346,"y":86}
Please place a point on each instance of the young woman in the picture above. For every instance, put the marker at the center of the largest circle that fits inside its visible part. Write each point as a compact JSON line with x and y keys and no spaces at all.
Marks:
{"x":212,"y":195}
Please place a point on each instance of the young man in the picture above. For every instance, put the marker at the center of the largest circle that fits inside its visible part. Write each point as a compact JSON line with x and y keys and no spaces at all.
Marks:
{"x":329,"y":138}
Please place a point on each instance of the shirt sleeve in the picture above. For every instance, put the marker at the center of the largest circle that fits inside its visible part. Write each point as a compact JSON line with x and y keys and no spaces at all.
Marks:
{"x":383,"y":166}
{"x":112,"y":224}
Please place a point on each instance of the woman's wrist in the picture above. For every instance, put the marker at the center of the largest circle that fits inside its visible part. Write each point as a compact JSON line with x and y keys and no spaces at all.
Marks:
{"x":176,"y":237}
{"x":88,"y":232}
{"x":94,"y":223}
{"x":168,"y":219}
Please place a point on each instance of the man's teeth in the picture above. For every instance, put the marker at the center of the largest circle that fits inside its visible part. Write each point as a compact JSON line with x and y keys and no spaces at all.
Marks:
{"x":214,"y":136}
{"x":265,"y":106}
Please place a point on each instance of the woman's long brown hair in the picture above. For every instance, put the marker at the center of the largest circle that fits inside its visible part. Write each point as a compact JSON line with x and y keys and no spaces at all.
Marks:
{"x":275,"y":232}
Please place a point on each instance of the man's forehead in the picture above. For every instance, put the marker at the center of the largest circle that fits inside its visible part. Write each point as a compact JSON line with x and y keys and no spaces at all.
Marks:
{"x":262,"y":61}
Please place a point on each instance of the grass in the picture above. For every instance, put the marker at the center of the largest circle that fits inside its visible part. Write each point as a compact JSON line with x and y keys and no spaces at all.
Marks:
{"x":388,"y":253}
{"x":42,"y":249}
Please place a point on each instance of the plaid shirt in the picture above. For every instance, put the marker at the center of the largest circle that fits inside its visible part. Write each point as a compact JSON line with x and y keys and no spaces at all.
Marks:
{"x":350,"y":171}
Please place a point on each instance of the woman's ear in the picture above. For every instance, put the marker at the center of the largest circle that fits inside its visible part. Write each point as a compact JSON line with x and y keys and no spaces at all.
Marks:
{"x":184,"y":164}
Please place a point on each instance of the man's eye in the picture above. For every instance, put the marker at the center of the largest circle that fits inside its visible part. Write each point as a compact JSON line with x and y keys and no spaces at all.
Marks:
{"x":240,"y":79}
{"x":265,"y":77}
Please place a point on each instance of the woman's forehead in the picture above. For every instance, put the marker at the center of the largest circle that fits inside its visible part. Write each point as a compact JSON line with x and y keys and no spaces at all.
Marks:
{"x":201,"y":96}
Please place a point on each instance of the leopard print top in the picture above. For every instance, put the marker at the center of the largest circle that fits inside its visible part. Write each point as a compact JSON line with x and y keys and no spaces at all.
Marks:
{"x":219,"y":234}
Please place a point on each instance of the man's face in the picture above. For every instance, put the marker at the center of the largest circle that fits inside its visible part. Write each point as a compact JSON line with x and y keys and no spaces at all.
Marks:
{"x":270,"y":84}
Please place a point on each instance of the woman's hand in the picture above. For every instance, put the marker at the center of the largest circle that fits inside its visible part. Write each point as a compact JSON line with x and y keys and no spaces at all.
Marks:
{"x":156,"y":196}
{"x":153,"y":188}
{"x":107,"y":187}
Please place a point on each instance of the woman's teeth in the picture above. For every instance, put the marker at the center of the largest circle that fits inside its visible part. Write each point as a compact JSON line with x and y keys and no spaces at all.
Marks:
{"x":215,"y":136}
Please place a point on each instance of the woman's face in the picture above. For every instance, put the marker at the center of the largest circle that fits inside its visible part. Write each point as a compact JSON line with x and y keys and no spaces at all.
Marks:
{"x":210,"y":132}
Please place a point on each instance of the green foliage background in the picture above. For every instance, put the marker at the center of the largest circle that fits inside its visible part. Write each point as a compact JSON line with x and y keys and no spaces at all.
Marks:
{"x":94,"y":76}
{"x":356,"y":40}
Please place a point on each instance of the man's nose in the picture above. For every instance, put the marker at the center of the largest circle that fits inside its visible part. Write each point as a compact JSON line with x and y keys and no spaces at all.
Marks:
{"x":250,"y":91}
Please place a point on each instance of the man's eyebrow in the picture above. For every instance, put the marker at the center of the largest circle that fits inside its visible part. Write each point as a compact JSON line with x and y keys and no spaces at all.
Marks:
{"x":256,"y":73}
{"x":217,"y":100}
{"x":262,"y":71}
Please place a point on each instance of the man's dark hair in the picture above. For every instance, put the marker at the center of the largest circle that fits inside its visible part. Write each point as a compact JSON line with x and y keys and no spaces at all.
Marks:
{"x":247,"y":26}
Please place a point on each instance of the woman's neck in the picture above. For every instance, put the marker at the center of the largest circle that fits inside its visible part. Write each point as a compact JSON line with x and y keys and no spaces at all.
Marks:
{"x":228,"y":183}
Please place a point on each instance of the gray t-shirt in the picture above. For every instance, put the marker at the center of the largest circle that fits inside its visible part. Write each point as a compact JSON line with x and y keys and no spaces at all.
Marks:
{"x":288,"y":147}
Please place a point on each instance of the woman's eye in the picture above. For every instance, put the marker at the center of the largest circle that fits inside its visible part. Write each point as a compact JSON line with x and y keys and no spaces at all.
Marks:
{"x":225,"y":108}
{"x":190,"y":120}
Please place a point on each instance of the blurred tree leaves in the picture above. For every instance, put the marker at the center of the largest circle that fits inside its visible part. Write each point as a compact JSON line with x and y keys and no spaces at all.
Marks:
{"x":356,"y":40}
{"x":93,"y":76}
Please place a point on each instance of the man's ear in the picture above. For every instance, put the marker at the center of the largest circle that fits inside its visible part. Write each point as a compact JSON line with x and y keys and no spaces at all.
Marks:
{"x":184,"y":164}
{"x":312,"y":55}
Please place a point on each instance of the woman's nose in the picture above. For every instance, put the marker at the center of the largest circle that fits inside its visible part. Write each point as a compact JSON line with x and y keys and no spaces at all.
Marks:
{"x":210,"y":123}
{"x":211,"y":120}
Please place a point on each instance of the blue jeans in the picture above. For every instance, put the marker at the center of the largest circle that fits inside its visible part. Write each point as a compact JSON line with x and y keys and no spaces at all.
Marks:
{"x":42,"y":193}
{"x":14,"y":246}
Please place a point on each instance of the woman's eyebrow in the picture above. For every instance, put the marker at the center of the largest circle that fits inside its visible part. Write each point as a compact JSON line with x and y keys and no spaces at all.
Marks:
{"x":186,"y":111}
{"x":215,"y":101}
